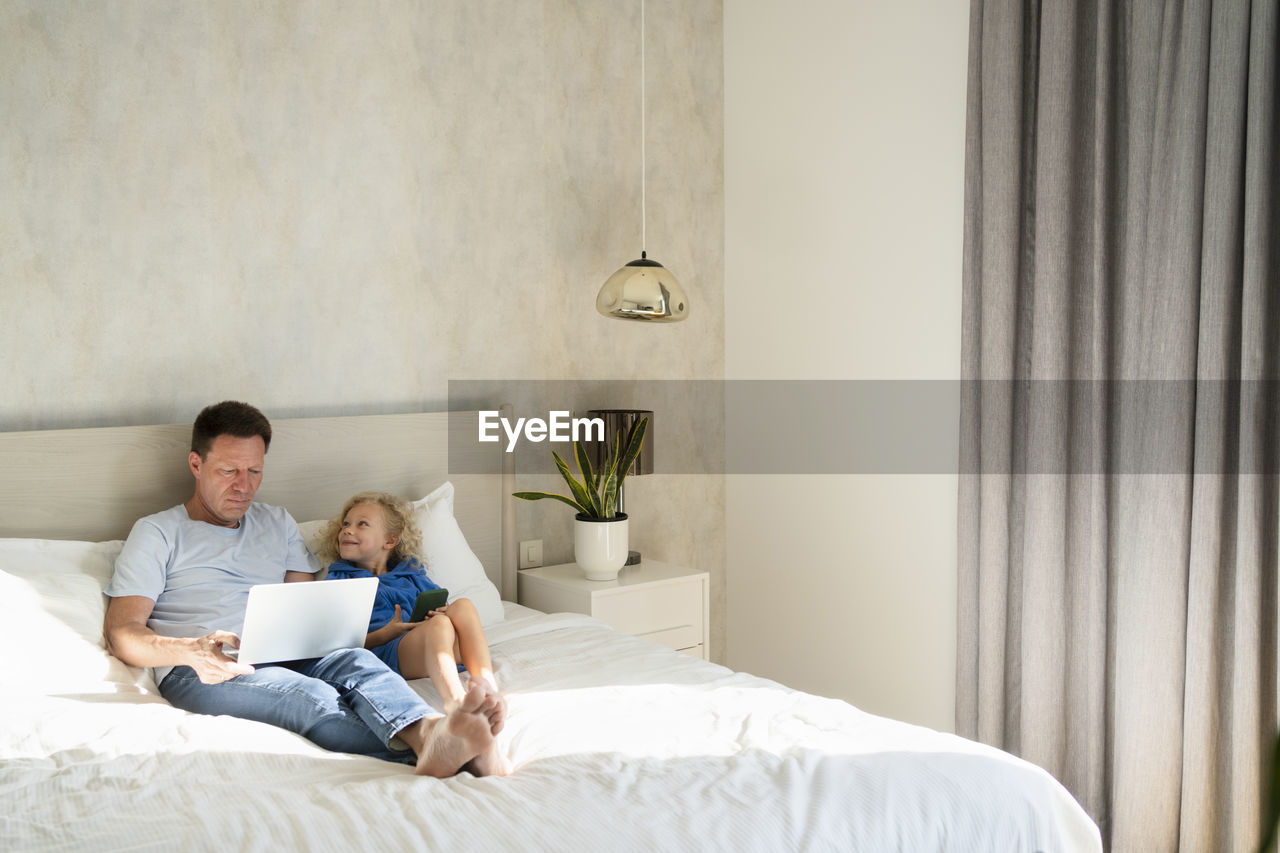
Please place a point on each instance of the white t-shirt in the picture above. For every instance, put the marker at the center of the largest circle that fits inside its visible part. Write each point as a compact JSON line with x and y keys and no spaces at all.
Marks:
{"x":199,"y":574}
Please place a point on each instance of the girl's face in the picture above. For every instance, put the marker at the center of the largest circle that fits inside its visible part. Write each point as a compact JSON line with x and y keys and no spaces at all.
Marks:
{"x":363,"y":540}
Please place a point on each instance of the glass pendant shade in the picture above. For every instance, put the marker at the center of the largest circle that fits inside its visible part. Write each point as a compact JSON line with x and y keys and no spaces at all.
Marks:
{"x":643,"y":290}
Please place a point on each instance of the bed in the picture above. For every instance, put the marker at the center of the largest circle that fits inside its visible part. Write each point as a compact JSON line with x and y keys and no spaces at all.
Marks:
{"x":616,"y":743}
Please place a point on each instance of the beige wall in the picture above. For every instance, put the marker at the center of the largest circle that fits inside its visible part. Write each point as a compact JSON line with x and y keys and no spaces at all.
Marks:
{"x":335,"y":207}
{"x":844,"y":129}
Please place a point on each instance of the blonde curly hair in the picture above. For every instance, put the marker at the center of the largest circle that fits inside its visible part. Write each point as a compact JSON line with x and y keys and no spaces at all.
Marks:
{"x":399,"y":521}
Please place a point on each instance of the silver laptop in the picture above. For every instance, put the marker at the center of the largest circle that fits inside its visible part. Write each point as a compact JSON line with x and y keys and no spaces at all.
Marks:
{"x":295,"y":621}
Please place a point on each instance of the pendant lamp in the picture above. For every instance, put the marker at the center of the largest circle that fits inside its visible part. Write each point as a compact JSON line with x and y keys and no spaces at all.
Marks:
{"x":643,"y":289}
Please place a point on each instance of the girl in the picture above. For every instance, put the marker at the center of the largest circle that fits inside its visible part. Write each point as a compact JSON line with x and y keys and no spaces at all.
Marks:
{"x":375,"y":535}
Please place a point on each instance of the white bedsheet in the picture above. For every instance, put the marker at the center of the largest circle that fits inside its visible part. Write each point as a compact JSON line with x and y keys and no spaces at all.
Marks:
{"x":617,"y":745}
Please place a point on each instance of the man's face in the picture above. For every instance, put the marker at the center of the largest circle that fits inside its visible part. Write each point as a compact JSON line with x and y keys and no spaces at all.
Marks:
{"x":227,"y":478}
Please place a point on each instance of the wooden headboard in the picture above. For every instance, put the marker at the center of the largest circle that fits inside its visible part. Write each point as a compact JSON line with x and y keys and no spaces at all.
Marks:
{"x":92,"y":484}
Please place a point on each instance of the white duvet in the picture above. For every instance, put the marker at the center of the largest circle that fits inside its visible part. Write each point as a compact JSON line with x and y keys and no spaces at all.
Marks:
{"x":617,"y":744}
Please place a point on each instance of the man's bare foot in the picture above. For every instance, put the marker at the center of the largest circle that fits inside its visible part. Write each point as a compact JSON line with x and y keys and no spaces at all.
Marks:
{"x":491,"y":762}
{"x":445,"y":744}
{"x":498,"y":713}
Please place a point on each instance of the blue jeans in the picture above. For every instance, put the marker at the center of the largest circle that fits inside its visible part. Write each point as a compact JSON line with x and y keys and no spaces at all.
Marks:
{"x":347,"y":701}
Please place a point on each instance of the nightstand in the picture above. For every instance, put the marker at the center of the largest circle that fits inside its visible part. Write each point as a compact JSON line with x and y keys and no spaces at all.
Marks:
{"x":660,"y":602}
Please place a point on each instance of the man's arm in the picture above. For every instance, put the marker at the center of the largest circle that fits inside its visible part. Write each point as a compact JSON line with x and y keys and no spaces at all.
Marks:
{"x":129,"y":638}
{"x":299,"y":564}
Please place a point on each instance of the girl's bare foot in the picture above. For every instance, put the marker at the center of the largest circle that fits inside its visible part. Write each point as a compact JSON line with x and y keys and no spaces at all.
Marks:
{"x":452,"y":703}
{"x":445,"y":744}
{"x":499,"y":716}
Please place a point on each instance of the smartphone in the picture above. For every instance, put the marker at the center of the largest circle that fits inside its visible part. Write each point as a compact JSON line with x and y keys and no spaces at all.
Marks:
{"x":432,"y":599}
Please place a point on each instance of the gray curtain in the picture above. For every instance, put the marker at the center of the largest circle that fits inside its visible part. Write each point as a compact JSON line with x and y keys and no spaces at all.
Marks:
{"x":1120,"y":435}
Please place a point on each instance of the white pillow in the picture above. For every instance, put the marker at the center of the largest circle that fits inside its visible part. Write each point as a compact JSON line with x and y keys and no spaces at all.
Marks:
{"x":51,"y":609}
{"x":450,"y":561}
{"x":311,"y":531}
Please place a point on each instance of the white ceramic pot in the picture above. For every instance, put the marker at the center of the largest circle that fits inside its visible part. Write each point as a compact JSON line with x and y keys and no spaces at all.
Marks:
{"x":600,"y":546}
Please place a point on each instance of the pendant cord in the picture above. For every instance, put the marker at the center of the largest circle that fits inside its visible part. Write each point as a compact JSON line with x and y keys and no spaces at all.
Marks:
{"x":643,"y":164}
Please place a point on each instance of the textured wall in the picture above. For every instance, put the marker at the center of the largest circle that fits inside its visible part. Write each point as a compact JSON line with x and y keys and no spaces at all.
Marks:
{"x":333,"y":207}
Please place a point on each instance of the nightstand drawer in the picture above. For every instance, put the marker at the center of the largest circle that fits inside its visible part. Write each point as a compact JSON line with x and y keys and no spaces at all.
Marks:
{"x":656,"y":609}
{"x":681,"y":638}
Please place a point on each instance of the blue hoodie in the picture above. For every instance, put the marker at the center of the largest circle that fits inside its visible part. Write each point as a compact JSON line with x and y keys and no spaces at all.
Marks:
{"x":398,"y":585}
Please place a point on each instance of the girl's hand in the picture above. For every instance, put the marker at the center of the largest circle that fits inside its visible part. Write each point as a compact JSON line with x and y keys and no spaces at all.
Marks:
{"x":395,"y":628}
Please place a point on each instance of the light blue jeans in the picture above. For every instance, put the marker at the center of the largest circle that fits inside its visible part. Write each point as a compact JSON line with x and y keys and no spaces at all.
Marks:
{"x":347,"y":701}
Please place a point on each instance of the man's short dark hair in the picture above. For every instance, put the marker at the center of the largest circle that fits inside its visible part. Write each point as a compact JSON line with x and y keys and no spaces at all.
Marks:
{"x":228,"y":418}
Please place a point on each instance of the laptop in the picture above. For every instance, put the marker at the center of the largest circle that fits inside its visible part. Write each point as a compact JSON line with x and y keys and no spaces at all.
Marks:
{"x":296,"y":621}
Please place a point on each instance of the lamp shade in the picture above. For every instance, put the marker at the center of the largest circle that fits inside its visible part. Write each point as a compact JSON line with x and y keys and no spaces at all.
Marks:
{"x":643,"y":290}
{"x":620,"y":421}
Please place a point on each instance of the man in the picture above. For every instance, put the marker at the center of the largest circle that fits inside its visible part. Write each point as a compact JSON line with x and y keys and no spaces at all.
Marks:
{"x":179,"y":593}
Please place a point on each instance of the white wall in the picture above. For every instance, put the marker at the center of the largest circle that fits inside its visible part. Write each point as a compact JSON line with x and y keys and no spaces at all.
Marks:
{"x":844,"y":149}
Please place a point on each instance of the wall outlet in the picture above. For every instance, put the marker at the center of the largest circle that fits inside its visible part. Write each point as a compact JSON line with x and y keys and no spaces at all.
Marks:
{"x":530,"y":553}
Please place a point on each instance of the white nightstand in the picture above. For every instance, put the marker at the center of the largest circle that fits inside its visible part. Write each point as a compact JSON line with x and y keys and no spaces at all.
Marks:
{"x":661,"y":602}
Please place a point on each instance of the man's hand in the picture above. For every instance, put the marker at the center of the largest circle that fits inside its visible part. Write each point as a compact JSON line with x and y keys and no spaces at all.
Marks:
{"x":211,"y":663}
{"x":125,"y":628}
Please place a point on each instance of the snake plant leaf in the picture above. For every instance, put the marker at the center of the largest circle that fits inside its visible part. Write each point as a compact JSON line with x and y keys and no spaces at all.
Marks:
{"x":588,"y":476}
{"x":609,"y":480}
{"x":609,"y":495}
{"x":635,"y":440}
{"x":584,"y":465}
{"x":537,"y":496}
{"x":581,"y":495}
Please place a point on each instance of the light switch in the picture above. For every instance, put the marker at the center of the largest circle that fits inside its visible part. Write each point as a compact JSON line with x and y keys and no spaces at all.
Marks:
{"x":530,"y":553}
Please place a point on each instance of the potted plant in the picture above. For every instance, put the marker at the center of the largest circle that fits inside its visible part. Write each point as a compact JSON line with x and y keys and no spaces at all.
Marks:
{"x":600,"y":531}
